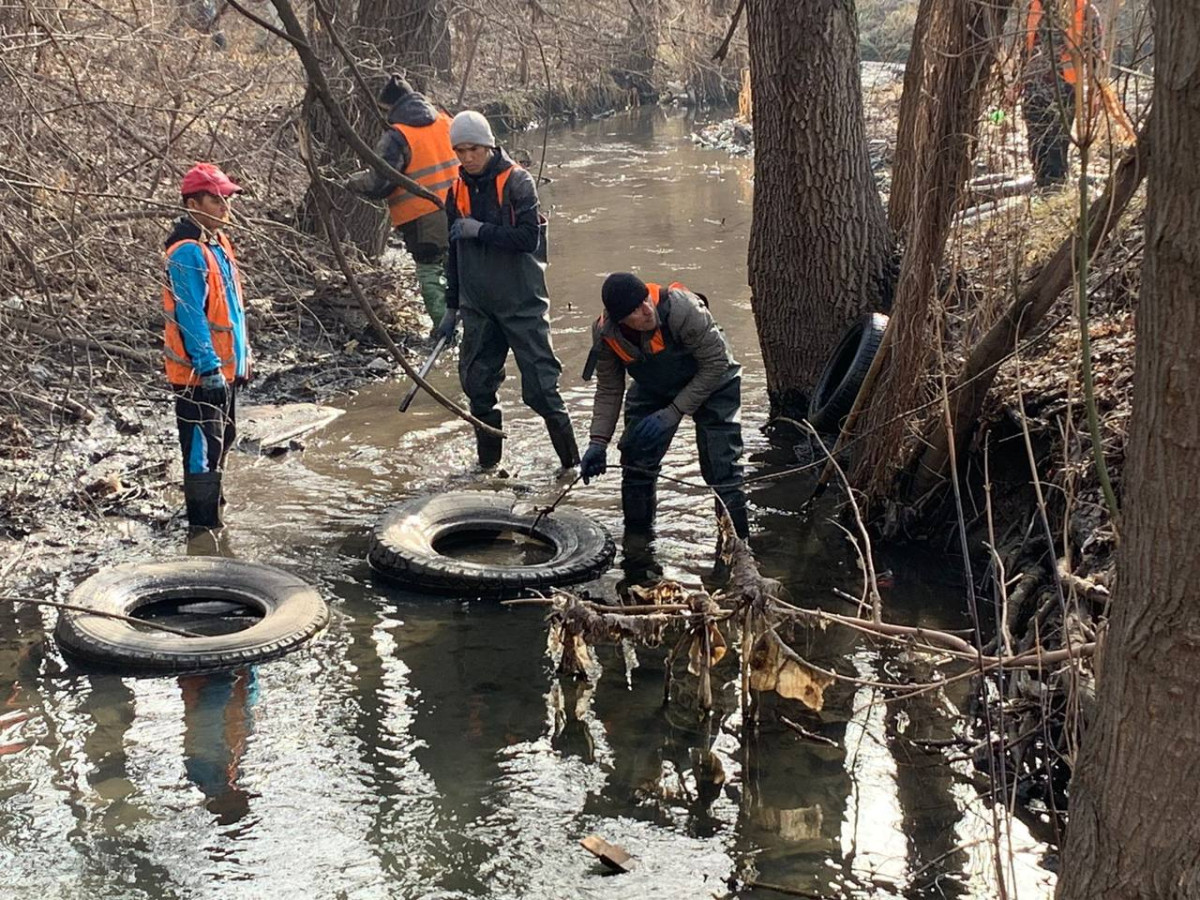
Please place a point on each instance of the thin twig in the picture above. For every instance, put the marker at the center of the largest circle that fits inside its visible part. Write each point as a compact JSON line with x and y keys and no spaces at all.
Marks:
{"x":74,"y":607}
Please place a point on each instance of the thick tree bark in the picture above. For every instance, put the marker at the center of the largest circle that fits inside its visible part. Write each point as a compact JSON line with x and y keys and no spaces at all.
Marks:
{"x":820,"y":249}
{"x":1133,"y":830}
{"x":402,"y":35}
{"x":960,"y":44}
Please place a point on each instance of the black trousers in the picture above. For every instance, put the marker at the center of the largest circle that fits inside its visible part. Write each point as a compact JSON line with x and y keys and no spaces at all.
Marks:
{"x":1049,"y":110}
{"x":207,"y":427}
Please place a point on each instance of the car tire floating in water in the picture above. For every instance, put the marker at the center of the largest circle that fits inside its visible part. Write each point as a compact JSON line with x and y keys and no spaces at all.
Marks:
{"x":290,"y":613}
{"x":408,"y":543}
{"x":843,"y":375}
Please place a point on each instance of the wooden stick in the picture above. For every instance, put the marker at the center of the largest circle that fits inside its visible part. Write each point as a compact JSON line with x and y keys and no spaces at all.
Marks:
{"x":723,"y":50}
{"x":105,"y":615}
{"x":56,"y":333}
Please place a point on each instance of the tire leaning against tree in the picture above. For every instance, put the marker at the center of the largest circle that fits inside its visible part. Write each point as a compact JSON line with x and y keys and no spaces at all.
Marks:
{"x":834,"y":395}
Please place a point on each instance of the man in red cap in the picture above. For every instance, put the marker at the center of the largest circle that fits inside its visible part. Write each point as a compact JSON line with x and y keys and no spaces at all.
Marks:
{"x":205,"y":347}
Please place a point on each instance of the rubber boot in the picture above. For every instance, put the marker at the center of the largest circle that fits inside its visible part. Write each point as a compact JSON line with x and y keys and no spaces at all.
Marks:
{"x":489,"y":447}
{"x":562,"y":437}
{"x":432,"y":278}
{"x":638,"y":502}
{"x":202,"y":494}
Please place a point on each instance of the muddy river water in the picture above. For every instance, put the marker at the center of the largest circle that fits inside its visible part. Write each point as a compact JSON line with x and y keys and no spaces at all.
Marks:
{"x":422,"y":748}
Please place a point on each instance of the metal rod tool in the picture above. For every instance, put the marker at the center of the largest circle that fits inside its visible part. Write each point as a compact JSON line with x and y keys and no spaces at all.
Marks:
{"x":425,"y":369}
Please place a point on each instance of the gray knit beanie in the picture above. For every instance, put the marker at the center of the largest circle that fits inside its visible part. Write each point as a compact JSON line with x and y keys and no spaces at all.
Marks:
{"x":470,"y":127}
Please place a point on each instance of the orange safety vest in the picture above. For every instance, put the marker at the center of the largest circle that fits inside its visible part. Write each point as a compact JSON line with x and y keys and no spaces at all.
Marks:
{"x":433,"y":165}
{"x":657,"y":342}
{"x":1073,"y":42}
{"x":180,"y":370}
{"x":462,"y":196}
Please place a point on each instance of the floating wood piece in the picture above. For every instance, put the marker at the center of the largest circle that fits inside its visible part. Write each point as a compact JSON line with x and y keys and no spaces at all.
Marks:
{"x":611,"y":855}
{"x":269,"y":428}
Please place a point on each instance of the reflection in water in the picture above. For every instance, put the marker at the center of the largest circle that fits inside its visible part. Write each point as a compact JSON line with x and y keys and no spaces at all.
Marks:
{"x":424,"y":748}
{"x":217,"y":722}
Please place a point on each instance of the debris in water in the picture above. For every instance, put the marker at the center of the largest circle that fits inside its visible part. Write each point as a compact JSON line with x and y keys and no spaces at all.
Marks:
{"x":611,"y":855}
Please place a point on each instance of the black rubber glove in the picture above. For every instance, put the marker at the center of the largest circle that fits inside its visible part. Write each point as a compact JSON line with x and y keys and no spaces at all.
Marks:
{"x":594,"y":462}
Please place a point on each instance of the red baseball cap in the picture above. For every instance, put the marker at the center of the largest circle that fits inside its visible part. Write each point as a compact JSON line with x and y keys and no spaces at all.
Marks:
{"x":205,"y":178}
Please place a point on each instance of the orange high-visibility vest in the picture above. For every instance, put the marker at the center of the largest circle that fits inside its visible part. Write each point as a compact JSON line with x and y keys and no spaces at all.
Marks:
{"x":433,"y":165}
{"x":180,"y":370}
{"x":1073,"y":40}
{"x":462,"y":196}
{"x":657,"y":342}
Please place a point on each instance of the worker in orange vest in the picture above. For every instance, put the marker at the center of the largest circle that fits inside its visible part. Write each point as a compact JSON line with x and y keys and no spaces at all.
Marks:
{"x":497,"y":286}
{"x":1060,"y":37}
{"x":418,"y":145}
{"x":206,"y":349}
{"x":665,"y":339}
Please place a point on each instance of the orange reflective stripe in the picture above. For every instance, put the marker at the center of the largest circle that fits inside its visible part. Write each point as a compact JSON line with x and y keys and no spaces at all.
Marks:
{"x":657,"y":342}
{"x":616,"y":347}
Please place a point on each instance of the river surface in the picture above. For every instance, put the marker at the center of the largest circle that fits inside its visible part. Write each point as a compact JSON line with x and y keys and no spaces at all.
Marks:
{"x":422,"y":748}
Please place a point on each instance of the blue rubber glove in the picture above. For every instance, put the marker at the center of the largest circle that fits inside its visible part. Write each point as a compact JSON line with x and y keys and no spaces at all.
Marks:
{"x":651,"y":431}
{"x":448,"y":325}
{"x":214,"y":381}
{"x":594,"y":462}
{"x":465,"y":227}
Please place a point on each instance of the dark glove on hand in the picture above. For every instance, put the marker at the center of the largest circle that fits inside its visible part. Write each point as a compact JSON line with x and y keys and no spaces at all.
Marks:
{"x":651,"y":430}
{"x":446,"y":327}
{"x":465,"y":227}
{"x":214,"y":381}
{"x":594,"y":462}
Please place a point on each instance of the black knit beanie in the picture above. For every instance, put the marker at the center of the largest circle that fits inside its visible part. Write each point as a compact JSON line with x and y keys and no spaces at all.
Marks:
{"x":622,"y":293}
{"x":395,"y":89}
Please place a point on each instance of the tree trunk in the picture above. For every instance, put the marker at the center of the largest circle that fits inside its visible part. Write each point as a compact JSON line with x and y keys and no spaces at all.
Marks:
{"x":641,"y":45}
{"x":1133,"y":830}
{"x":820,"y":249}
{"x":961,"y":39}
{"x":401,"y":35}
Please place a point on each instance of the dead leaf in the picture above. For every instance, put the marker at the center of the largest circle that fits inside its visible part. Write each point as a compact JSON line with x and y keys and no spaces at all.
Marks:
{"x":775,"y":667}
{"x":716,"y":649}
{"x":663,"y":592}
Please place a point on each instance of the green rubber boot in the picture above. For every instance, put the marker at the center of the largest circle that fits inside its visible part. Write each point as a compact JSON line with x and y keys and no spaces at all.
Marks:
{"x":432,"y":278}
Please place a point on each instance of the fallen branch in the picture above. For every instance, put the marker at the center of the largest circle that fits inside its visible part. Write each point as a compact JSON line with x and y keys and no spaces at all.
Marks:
{"x":319,"y":87}
{"x":55,"y":604}
{"x":56,"y":333}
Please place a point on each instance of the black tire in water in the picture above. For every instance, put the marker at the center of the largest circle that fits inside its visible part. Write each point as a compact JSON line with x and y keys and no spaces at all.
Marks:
{"x":292,"y":612}
{"x":403,"y":546}
{"x":844,"y":373}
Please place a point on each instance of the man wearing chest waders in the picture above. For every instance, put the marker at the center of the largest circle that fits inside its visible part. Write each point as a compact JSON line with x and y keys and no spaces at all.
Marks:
{"x":497,"y":285}
{"x":681,"y":365}
{"x":205,"y":345}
